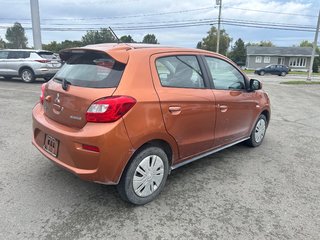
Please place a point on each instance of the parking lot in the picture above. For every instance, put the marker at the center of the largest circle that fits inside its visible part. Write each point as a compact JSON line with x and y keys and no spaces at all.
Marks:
{"x":269,"y":192}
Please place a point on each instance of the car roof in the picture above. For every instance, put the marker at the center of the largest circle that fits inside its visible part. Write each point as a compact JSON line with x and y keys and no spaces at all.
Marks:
{"x":120,"y":51}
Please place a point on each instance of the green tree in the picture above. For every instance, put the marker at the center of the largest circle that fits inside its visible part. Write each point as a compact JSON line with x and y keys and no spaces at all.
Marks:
{"x":238,"y":52}
{"x":104,"y":35}
{"x":210,"y":41}
{"x":2,"y":43}
{"x":316,"y":62}
{"x":127,"y":39}
{"x":261,"y":44}
{"x":16,"y":36}
{"x":150,"y":39}
{"x":56,"y":47}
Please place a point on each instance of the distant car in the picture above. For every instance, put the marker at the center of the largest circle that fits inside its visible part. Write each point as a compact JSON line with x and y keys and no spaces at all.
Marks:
{"x":28,"y":64}
{"x":275,"y":69}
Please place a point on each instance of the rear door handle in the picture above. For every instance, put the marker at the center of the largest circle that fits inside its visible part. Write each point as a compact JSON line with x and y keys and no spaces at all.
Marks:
{"x":223,"y":108}
{"x":175,"y":110}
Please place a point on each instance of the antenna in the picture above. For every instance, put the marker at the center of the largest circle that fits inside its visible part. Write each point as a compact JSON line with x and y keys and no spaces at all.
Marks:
{"x":113,"y":33}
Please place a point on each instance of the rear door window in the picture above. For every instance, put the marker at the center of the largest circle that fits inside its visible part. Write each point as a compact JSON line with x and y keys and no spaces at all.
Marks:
{"x":18,"y":54}
{"x":91,"y":69}
{"x":180,"y":71}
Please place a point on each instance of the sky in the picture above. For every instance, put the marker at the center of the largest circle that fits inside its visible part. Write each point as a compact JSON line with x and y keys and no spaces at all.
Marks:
{"x":61,"y":20}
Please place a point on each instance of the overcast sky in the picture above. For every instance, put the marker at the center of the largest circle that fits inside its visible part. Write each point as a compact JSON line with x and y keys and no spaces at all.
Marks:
{"x":87,"y":14}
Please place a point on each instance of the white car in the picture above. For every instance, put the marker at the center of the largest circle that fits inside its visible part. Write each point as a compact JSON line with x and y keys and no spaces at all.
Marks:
{"x":28,"y":64}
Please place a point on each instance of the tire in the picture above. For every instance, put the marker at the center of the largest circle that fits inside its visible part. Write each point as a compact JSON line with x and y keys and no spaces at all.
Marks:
{"x":258,"y":132}
{"x":283,"y":74}
{"x":27,"y":75}
{"x":262,"y":73}
{"x":139,"y":184}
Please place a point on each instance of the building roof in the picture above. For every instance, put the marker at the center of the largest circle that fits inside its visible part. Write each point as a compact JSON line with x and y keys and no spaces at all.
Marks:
{"x":279,"y":51}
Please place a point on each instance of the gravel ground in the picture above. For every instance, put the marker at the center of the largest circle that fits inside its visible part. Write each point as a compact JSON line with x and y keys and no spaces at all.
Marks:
{"x":269,"y":192}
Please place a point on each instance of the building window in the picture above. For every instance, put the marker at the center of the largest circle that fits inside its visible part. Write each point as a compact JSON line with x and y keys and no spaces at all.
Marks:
{"x":298,"y":62}
{"x":258,"y":59}
{"x":266,"y":59}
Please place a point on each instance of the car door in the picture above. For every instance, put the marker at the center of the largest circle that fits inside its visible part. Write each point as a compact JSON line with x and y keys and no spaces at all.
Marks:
{"x":186,"y":101}
{"x":15,"y":60}
{"x":3,"y":62}
{"x":235,"y":105}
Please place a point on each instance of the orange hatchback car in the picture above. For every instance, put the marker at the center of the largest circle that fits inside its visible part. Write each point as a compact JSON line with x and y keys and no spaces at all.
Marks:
{"x":128,"y":114}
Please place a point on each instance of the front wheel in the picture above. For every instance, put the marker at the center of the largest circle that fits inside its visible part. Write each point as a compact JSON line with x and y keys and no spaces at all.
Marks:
{"x":27,"y":75}
{"x":258,"y":132}
{"x":145,"y":176}
{"x":262,"y":73}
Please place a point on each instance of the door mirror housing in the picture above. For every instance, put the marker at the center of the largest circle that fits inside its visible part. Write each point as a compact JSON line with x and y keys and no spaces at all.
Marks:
{"x":255,"y":85}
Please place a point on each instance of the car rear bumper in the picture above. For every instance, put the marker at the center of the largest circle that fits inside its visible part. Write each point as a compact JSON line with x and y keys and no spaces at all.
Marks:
{"x":105,"y":166}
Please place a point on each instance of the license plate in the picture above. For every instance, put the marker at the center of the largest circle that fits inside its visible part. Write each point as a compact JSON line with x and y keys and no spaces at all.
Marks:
{"x":51,"y":145}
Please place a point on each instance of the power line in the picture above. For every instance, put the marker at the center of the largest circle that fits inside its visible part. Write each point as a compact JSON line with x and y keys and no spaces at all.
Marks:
{"x":272,"y":12}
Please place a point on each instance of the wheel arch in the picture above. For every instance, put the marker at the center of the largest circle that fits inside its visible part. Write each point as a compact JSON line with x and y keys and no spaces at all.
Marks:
{"x":25,"y":67}
{"x":163,"y":144}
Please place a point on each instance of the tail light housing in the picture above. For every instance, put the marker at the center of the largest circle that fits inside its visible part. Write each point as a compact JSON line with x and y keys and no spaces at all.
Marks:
{"x":42,"y":60}
{"x":43,"y":88}
{"x":109,"y":109}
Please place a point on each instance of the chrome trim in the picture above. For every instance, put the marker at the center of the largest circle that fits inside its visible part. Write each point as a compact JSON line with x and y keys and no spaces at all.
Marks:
{"x":173,"y":167}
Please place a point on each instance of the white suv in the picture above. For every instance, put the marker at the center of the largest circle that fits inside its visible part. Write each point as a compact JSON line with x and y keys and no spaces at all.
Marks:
{"x":28,"y":64}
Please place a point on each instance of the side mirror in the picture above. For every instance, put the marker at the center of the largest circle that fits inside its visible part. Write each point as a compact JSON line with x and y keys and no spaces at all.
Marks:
{"x":255,"y":84}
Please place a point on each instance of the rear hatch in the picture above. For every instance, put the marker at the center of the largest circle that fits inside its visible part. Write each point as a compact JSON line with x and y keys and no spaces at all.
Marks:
{"x":85,"y":77}
{"x":51,"y":59}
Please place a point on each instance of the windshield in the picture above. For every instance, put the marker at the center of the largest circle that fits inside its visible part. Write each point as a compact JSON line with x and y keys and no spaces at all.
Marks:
{"x":91,"y":69}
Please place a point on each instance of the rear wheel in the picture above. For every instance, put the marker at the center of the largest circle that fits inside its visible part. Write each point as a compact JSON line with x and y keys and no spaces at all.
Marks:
{"x":262,"y":73}
{"x":283,"y":74}
{"x":258,"y":132}
{"x":27,"y":75}
{"x":145,"y":177}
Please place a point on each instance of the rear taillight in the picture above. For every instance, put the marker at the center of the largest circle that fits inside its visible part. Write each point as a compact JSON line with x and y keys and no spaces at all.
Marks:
{"x":109,"y":109}
{"x":42,"y":60}
{"x":90,"y":148}
{"x":43,"y":88}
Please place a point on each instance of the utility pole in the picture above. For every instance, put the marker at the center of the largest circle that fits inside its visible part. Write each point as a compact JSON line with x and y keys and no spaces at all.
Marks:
{"x":218,"y":2}
{"x":35,"y":16}
{"x":314,"y":48}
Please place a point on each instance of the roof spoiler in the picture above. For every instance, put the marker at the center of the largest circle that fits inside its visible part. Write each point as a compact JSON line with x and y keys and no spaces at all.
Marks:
{"x":119,"y":54}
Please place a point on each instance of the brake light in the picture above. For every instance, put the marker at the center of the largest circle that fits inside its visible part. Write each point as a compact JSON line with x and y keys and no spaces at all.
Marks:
{"x":42,"y":60}
{"x":43,"y":88}
{"x":90,"y":148}
{"x":109,"y":109}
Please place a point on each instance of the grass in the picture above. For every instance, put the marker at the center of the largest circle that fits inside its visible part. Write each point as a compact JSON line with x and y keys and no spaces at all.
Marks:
{"x":295,"y":82}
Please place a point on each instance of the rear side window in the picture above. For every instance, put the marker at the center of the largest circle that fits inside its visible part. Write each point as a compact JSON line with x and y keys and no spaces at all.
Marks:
{"x":91,"y":69}
{"x":180,"y":71}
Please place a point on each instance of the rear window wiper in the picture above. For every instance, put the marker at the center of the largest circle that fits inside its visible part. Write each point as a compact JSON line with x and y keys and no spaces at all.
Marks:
{"x":64,"y":82}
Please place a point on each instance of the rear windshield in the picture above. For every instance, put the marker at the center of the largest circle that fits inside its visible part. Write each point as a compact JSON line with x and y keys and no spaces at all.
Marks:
{"x":91,"y":69}
{"x":48,"y":55}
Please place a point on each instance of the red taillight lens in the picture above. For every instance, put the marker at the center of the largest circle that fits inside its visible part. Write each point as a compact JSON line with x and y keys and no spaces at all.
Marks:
{"x":43,"y":87}
{"x":42,"y":60}
{"x":109,"y":109}
{"x":90,"y":148}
